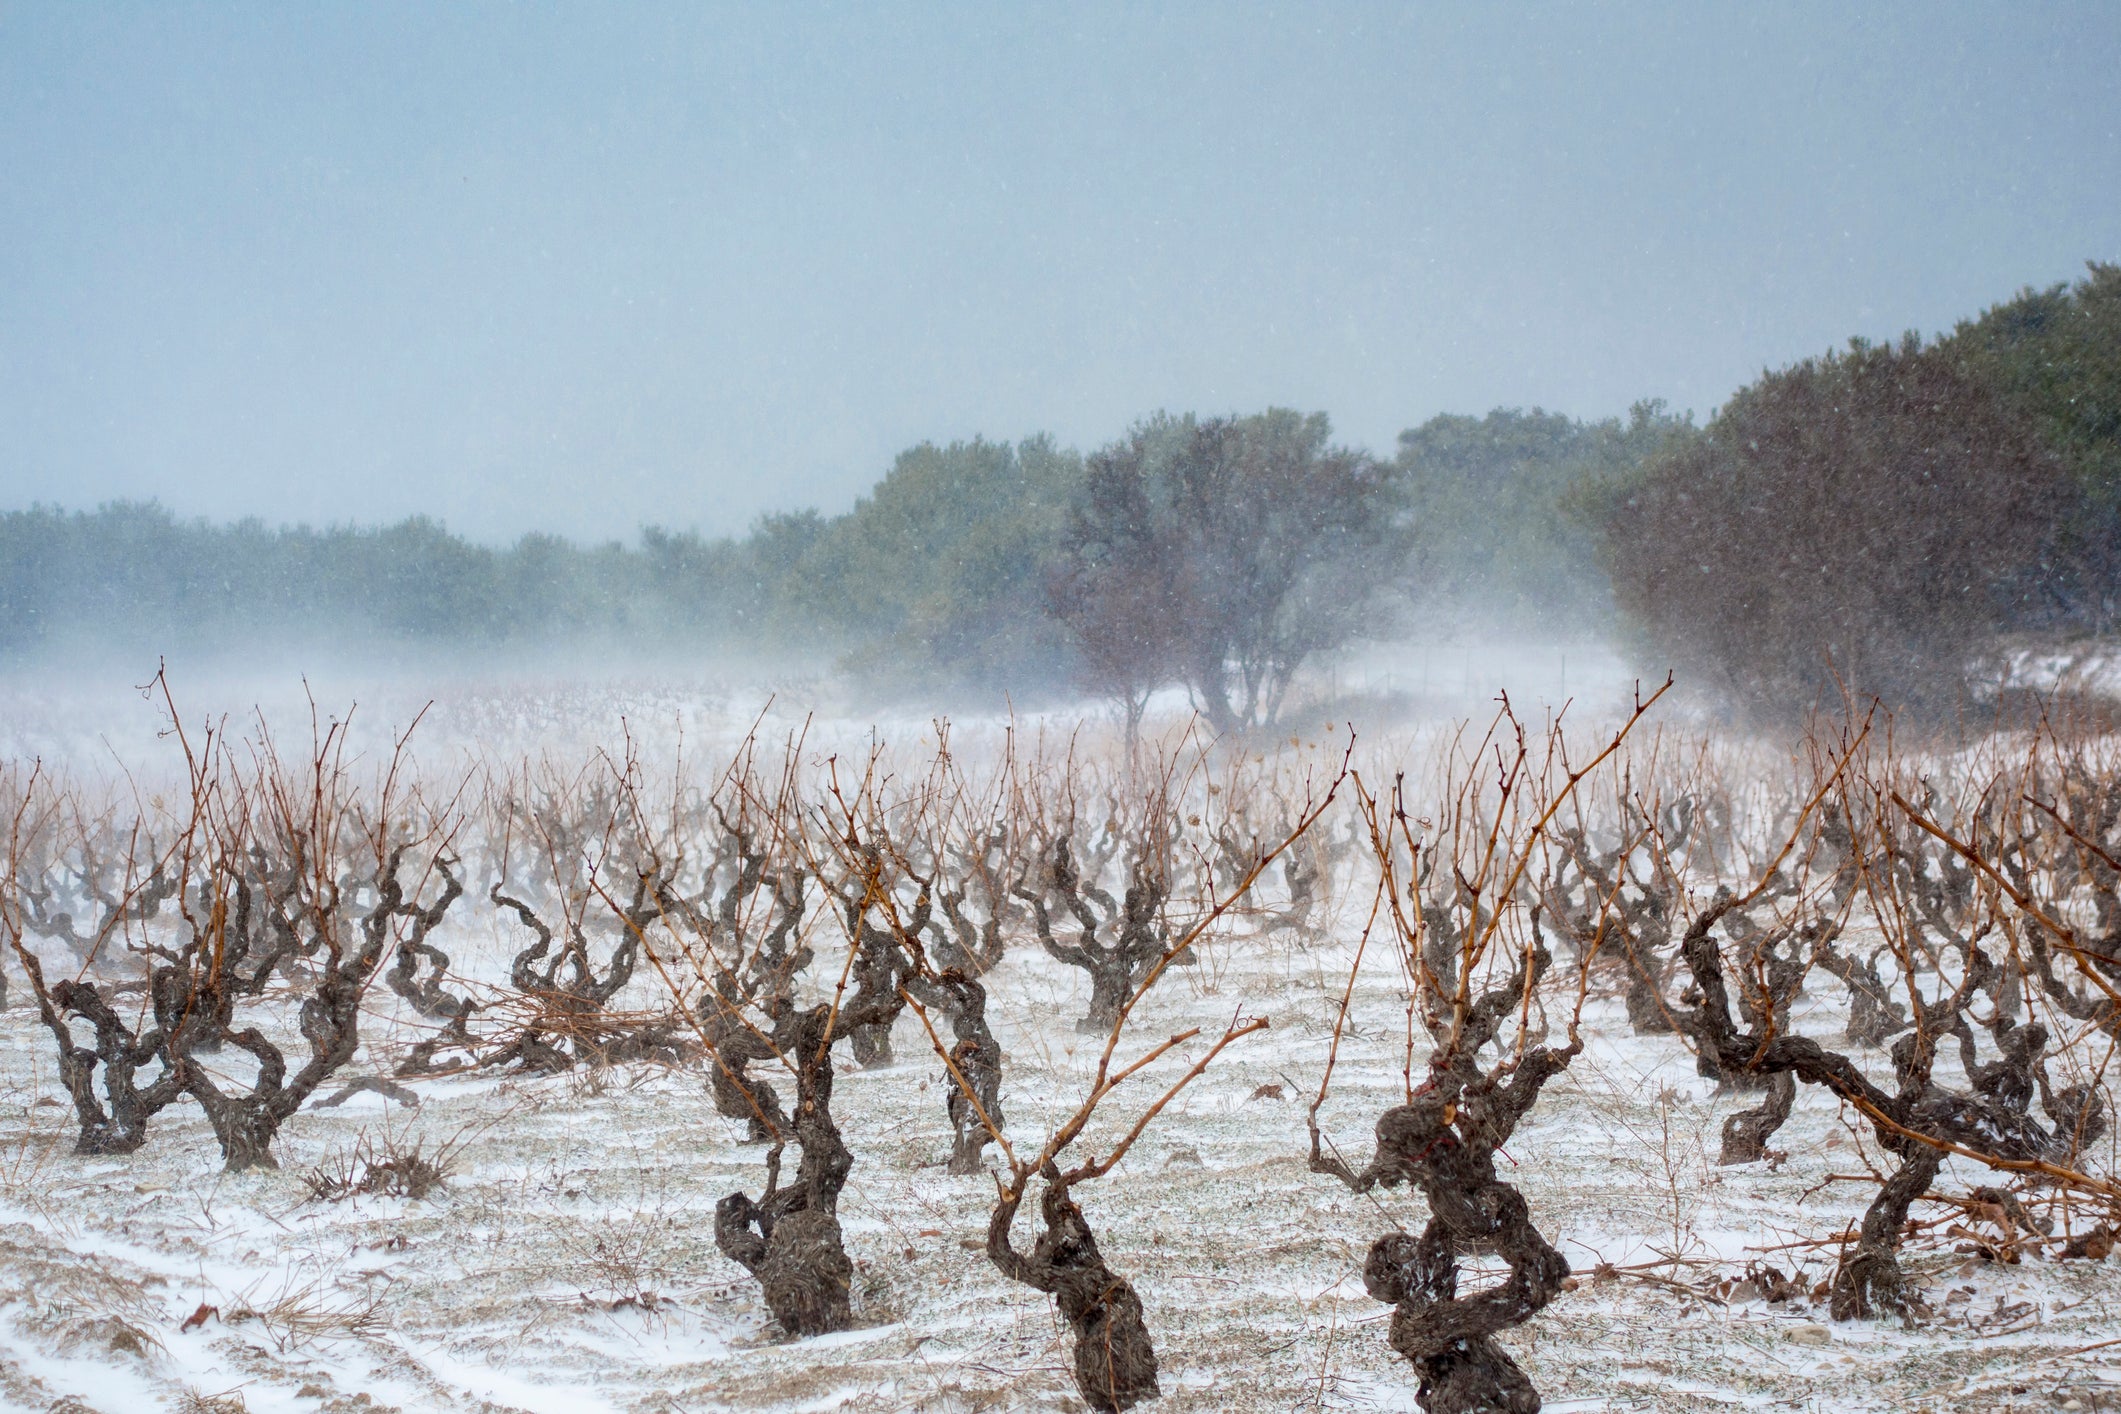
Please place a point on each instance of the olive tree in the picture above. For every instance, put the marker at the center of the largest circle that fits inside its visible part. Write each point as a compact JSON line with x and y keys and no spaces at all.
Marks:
{"x":1223,"y":553}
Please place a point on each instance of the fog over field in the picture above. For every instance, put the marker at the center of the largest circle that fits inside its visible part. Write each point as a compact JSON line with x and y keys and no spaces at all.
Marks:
{"x":1211,"y":708}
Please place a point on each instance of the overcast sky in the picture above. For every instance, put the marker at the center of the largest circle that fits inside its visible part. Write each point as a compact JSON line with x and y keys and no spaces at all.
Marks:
{"x":579,"y":268}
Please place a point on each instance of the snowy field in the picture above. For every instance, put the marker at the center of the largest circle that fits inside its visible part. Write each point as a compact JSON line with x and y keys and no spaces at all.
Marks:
{"x":569,"y":1262}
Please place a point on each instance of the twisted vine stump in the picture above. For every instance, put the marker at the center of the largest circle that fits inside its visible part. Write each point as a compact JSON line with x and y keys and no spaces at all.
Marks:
{"x":1746,"y":1134}
{"x":985,"y":868}
{"x":1771,"y":968}
{"x":1114,"y":1359}
{"x":346,"y":956}
{"x":1118,"y":941}
{"x":789,"y":1238}
{"x":115,"y":1121}
{"x":428,"y":995}
{"x":973,"y":1066}
{"x":1915,"y":1121}
{"x":882,"y":952}
{"x":1444,"y":1144}
{"x":756,"y":978}
{"x":1481,"y":848}
{"x":566,"y":1020}
{"x":733,"y":1044}
{"x":1597,"y":897}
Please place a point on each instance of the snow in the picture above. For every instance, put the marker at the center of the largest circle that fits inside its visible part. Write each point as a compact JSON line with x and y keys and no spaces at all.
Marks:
{"x":569,"y":1263}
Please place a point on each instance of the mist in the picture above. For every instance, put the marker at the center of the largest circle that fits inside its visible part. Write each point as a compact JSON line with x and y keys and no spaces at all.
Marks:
{"x":1352,"y":707}
{"x":723,"y":345}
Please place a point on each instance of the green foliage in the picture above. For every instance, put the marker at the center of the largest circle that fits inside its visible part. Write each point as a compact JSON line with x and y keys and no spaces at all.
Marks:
{"x":942,"y":567}
{"x":701,"y":581}
{"x":133,"y":577}
{"x":1867,"y":520}
{"x":1503,"y":510}
{"x":1224,"y":553}
{"x":2053,"y":357}
{"x":939,"y":573}
{"x":775,"y":565}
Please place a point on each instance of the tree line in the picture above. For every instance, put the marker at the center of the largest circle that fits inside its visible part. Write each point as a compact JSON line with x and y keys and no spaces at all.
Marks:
{"x":1217,"y":553}
{"x":1885,"y":520}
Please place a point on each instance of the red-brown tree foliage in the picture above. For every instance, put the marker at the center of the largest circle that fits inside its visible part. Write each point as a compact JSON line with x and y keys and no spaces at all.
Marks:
{"x":1870,"y":518}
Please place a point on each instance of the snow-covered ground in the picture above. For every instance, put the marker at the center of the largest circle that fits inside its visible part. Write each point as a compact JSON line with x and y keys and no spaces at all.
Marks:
{"x":569,"y":1262}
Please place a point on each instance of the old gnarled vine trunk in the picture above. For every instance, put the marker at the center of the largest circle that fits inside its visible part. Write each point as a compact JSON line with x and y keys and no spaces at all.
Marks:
{"x":1114,"y":1360}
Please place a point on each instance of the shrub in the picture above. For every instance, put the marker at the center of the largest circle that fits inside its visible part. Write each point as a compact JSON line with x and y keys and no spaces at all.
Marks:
{"x":1871,"y":518}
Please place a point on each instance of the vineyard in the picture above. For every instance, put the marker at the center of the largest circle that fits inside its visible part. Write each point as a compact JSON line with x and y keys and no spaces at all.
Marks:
{"x":1501,"y":1064}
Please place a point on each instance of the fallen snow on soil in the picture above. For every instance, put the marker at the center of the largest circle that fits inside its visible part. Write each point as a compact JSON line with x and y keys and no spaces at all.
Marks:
{"x":570,"y":1263}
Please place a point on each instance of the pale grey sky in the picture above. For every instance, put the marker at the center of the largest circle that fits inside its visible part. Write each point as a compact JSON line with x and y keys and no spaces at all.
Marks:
{"x":580,"y":268}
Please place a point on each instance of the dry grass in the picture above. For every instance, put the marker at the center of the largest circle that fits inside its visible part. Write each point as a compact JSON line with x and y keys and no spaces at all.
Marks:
{"x":304,"y":1305}
{"x":385,"y":1164}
